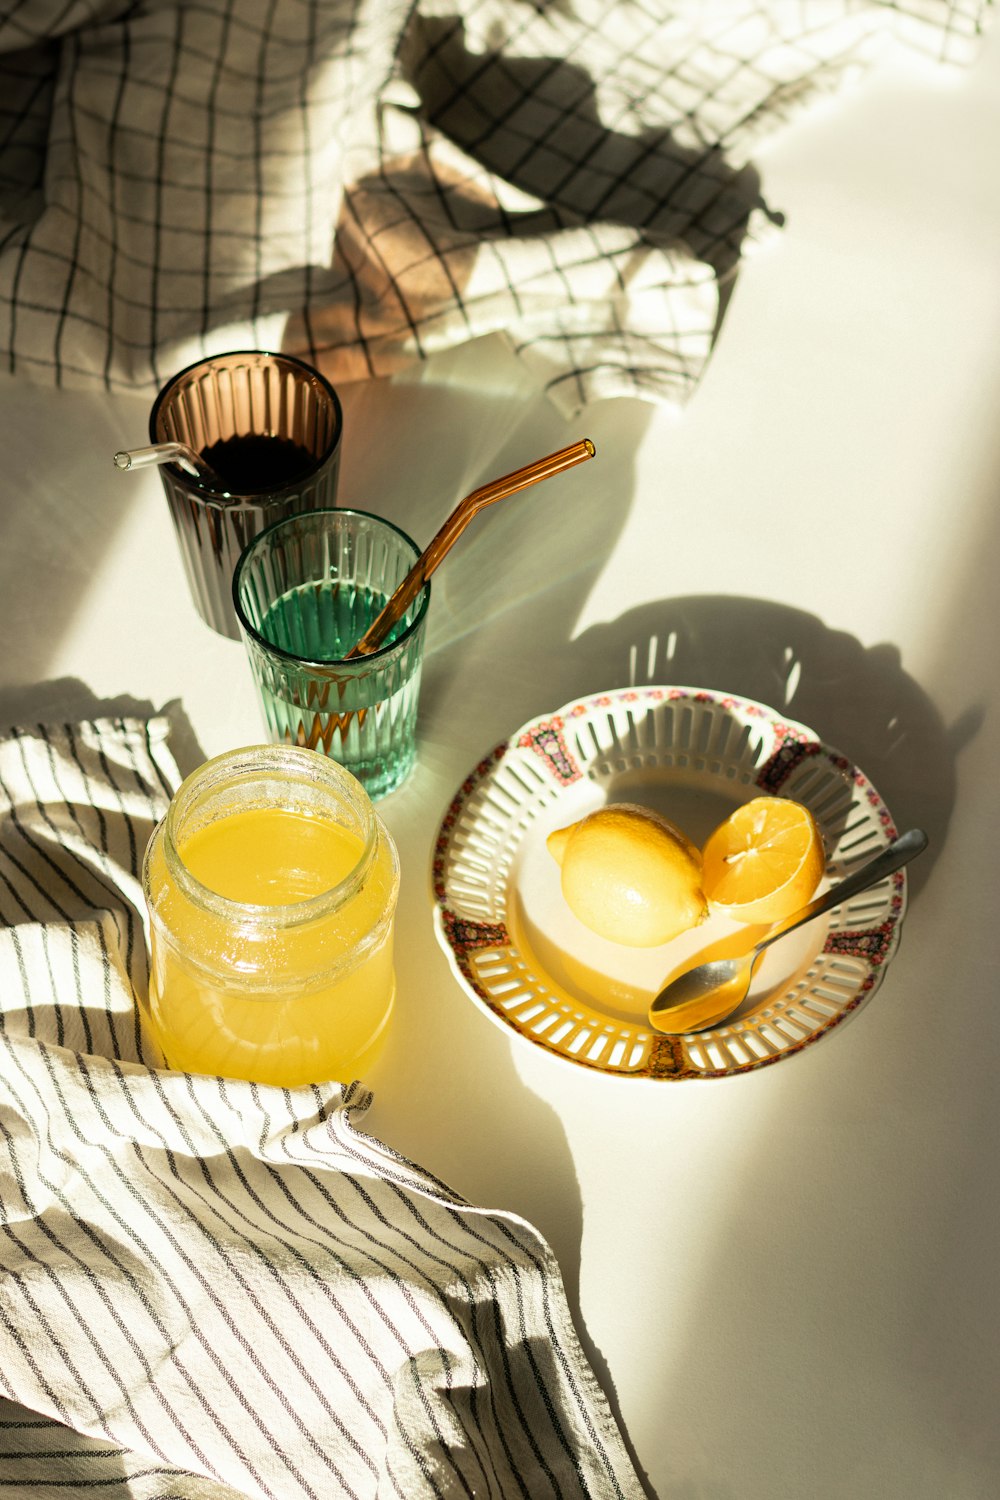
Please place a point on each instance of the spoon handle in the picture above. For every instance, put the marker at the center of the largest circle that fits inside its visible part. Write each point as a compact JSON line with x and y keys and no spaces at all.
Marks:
{"x":892,"y":858}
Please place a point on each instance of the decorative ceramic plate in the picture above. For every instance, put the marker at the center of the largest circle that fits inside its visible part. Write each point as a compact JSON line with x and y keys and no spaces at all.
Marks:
{"x":692,"y":755}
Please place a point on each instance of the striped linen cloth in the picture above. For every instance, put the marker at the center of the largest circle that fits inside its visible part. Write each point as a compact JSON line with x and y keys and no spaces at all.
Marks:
{"x":366,"y":182}
{"x":210,"y":1289}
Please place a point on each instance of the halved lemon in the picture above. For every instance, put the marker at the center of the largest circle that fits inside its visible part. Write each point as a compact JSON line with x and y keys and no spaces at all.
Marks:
{"x":764,"y":861}
{"x":629,"y":875}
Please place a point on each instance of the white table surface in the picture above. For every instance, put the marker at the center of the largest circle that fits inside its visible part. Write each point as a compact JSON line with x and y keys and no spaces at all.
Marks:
{"x":786,"y":1281}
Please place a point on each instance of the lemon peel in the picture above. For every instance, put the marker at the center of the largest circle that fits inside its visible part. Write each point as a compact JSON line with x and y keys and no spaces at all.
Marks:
{"x":630,"y":875}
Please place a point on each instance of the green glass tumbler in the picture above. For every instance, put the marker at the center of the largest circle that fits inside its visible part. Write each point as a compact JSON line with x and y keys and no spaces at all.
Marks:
{"x":304,"y":591}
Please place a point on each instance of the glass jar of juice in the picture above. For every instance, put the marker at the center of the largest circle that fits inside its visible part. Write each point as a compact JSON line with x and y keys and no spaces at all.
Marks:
{"x":271,"y":886}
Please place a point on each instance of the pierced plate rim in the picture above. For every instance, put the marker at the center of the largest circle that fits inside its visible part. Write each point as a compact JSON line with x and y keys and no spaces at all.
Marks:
{"x":492,"y":810}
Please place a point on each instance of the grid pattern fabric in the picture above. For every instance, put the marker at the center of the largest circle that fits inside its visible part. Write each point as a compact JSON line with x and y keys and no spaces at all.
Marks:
{"x":365,"y":182}
{"x":210,"y":1289}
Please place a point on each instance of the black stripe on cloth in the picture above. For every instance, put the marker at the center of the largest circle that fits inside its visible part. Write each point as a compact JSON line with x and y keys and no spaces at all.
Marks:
{"x":457,"y":1228}
{"x":520,"y":1236}
{"x":159,"y":228}
{"x":55,"y":836}
{"x":100,"y":870}
{"x":488,"y":1274}
{"x":199,"y":1283}
{"x":375,"y":1250}
{"x":291,"y":1204}
{"x":119,"y":1268}
{"x":265,"y":170}
{"x":221,"y":1212}
{"x":223,"y":1281}
{"x":479,"y":1341}
{"x":41,"y":1460}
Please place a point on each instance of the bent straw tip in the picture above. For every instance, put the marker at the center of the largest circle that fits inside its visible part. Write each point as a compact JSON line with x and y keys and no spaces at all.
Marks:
{"x":167,"y":453}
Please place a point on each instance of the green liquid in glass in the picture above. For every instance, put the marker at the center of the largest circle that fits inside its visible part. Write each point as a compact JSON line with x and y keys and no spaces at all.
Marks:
{"x":362,"y":714}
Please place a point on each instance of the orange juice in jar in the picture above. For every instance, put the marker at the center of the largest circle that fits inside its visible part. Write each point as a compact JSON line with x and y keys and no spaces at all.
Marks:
{"x":271,"y":886}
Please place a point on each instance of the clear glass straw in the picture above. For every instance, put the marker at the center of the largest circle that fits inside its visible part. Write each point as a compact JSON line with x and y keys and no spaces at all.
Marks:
{"x":166,"y":453}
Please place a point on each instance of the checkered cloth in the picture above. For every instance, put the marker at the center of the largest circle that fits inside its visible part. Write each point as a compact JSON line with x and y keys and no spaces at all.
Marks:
{"x":210,"y":1289}
{"x":366,"y":183}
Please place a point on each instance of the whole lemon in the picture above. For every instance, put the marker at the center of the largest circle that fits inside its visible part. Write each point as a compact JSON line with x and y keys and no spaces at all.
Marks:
{"x":629,"y":875}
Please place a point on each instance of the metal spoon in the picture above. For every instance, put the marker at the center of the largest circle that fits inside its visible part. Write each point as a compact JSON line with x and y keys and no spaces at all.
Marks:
{"x":719,"y":988}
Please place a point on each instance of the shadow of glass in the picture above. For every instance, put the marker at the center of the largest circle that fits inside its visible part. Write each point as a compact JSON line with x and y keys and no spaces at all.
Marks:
{"x":584,"y":209}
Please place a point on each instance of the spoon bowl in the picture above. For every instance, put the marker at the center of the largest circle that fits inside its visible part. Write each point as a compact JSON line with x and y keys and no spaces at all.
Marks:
{"x":708,"y":993}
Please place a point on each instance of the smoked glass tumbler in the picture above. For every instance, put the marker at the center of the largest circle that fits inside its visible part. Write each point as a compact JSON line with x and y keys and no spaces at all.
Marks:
{"x":271,"y":427}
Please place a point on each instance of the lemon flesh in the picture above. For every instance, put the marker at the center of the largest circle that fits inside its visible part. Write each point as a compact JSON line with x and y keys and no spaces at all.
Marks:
{"x":764,"y":861}
{"x":629,"y":875}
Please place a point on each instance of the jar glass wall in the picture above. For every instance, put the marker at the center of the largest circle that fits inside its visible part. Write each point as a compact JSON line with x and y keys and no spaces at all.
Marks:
{"x":271,"y":886}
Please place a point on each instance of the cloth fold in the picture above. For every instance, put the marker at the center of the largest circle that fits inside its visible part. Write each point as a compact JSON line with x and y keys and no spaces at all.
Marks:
{"x":213,"y":1289}
{"x":365,"y":184}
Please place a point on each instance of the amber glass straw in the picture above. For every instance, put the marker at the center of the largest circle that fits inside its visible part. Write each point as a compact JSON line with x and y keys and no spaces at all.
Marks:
{"x":434,"y":553}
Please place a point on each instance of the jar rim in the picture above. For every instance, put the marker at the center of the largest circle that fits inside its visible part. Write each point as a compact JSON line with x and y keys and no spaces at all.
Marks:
{"x":258,"y":763}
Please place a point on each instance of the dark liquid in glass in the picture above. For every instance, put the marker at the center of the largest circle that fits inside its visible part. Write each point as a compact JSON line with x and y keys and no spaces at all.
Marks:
{"x":256,"y":463}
